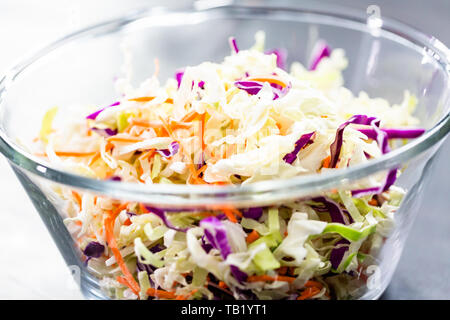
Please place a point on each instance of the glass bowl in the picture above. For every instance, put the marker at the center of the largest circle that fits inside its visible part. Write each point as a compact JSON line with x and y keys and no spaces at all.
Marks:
{"x":385,"y":58}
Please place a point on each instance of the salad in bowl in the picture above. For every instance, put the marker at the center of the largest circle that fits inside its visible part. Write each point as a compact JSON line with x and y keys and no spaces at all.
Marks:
{"x":245,"y":119}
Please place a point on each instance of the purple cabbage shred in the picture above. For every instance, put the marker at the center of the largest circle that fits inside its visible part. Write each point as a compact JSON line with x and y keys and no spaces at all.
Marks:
{"x":302,"y":142}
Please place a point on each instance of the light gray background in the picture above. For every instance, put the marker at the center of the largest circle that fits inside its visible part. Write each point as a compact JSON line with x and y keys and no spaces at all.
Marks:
{"x":32,"y":268}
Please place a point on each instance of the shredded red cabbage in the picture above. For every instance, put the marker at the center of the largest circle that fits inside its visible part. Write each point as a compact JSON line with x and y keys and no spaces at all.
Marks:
{"x":105,"y":132}
{"x":337,"y":254}
{"x":94,"y":249}
{"x":336,"y":146}
{"x":94,"y":115}
{"x":320,"y":51}
{"x":382,"y":139}
{"x":336,"y":213}
{"x":160,"y":213}
{"x":179,"y":76}
{"x":253,"y":213}
{"x":240,"y":275}
{"x":304,"y":140}
{"x":393,"y":133}
{"x":233,"y":44}
{"x":281,"y":57}
{"x":216,"y":235}
{"x":251,"y":87}
{"x":205,"y":245}
{"x":390,"y":180}
{"x":172,"y":150}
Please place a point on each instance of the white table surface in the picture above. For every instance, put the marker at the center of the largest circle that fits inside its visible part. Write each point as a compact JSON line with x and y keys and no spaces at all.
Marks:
{"x":30,"y":264}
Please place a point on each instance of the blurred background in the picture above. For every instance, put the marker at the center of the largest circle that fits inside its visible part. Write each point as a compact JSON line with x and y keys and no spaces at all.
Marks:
{"x":30,"y":264}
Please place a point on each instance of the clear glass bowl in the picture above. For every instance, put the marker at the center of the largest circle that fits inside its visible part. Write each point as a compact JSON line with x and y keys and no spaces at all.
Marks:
{"x":385,"y":58}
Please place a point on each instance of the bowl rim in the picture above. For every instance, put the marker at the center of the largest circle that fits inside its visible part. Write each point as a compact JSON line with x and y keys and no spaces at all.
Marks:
{"x":254,"y":193}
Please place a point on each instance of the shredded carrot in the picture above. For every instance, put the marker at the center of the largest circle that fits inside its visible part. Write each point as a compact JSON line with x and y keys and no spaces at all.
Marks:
{"x":108,"y":147}
{"x":220,"y":183}
{"x":229,"y":215}
{"x":148,"y":154}
{"x":120,"y":208}
{"x":146,"y":124}
{"x":181,"y":297}
{"x":124,"y":139}
{"x":127,"y":222}
{"x":202,"y":169}
{"x":74,"y":154}
{"x":326,"y":162}
{"x":77,"y":197}
{"x":142,"y":99}
{"x":109,"y":230}
{"x":270,"y":80}
{"x":160,"y":293}
{"x":156,"y":125}
{"x":223,"y":285}
{"x":236,"y":212}
{"x":94,"y":158}
{"x":78,"y":223}
{"x":123,"y":281}
{"x":312,"y":283}
{"x":143,"y":208}
{"x":253,"y":236}
{"x":373,"y":202}
{"x":194,"y":179}
{"x":188,"y":117}
{"x":308,"y":293}
{"x":202,"y":131}
{"x":266,"y":278}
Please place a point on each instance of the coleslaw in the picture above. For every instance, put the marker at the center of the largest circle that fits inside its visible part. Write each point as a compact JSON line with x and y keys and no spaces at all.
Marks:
{"x":243,"y":120}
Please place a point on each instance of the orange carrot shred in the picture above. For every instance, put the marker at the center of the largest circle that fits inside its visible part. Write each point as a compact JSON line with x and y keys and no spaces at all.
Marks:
{"x":326,"y":162}
{"x":109,"y":229}
{"x":77,"y":197}
{"x":229,"y":215}
{"x":94,"y":158}
{"x":189,"y":116}
{"x":181,"y":297}
{"x":312,"y":283}
{"x":118,"y":138}
{"x":160,"y":293}
{"x":266,"y":278}
{"x":74,"y":154}
{"x":142,"y":99}
{"x":252,"y":237}
{"x":270,"y":80}
{"x":143,"y":208}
